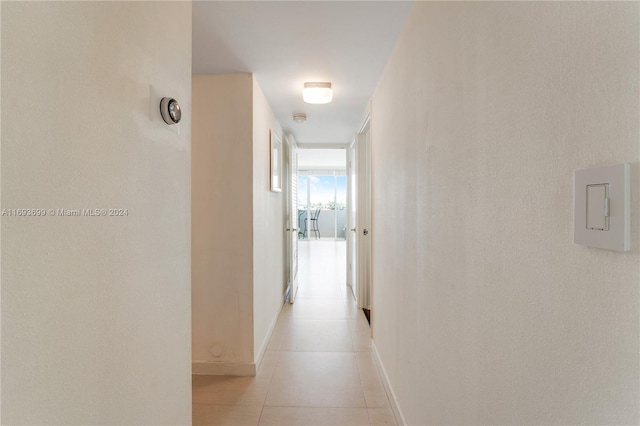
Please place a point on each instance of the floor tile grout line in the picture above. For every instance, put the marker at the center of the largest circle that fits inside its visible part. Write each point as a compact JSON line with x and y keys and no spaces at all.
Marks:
{"x":321,"y":352}
{"x":369,"y":417}
{"x":375,"y":366}
{"x":314,"y":406}
{"x":353,"y":348}
{"x":264,"y":401}
{"x":317,"y":319}
{"x":226,"y":405}
{"x":361,"y":383}
{"x":262,"y":406}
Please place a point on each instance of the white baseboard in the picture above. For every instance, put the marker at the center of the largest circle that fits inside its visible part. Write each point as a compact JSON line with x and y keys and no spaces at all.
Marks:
{"x":205,"y":368}
{"x":223,"y":368}
{"x":387,"y":386}
{"x":265,"y":344}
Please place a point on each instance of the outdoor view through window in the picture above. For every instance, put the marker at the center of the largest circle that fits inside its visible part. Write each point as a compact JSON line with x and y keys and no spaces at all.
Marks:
{"x":322,"y":204}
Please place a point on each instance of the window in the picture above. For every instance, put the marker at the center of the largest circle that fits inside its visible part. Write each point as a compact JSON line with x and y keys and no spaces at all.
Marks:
{"x":323,"y":193}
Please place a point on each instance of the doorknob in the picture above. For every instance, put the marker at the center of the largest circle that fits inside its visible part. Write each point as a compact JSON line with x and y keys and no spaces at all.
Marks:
{"x":365,"y":232}
{"x":353,"y":229}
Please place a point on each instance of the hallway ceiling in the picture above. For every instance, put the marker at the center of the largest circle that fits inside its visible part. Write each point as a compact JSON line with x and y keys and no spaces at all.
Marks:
{"x":288,"y":43}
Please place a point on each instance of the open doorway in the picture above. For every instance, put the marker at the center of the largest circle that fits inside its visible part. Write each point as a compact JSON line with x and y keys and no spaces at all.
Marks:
{"x":322,"y":221}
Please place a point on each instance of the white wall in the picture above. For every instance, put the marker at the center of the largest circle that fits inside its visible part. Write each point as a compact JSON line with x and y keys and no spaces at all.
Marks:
{"x":322,"y":159}
{"x":485,"y":312}
{"x":222,"y":234}
{"x":96,"y":310}
{"x":238,"y":225}
{"x":268,"y":226}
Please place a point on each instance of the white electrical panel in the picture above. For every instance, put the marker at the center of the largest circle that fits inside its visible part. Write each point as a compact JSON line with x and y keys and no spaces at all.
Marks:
{"x":602,"y":207}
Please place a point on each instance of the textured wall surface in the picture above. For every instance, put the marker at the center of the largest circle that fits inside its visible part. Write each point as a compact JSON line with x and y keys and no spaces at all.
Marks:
{"x":238,"y":225}
{"x":222,"y":206}
{"x":95,"y":310}
{"x":268,"y":225}
{"x":485,"y":312}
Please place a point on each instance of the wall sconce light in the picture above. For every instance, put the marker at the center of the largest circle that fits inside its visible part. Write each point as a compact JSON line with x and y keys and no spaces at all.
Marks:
{"x":317,"y":93}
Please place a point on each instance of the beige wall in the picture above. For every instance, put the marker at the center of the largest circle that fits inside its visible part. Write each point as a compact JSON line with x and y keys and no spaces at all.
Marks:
{"x":222,"y":235}
{"x":268,"y":225}
{"x":237,"y":225}
{"x":96,"y":310}
{"x":485,"y":312}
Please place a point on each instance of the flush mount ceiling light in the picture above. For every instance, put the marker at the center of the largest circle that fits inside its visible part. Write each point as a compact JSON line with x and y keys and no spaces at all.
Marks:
{"x":317,"y":93}
{"x":299,"y":117}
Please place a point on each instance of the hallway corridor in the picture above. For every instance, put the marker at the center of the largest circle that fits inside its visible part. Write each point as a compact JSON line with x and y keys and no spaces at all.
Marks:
{"x":318,"y":368}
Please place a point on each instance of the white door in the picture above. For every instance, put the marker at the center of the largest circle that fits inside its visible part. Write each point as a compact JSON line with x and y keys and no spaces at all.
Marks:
{"x":363,"y":216}
{"x":352,"y":204}
{"x":293,"y":219}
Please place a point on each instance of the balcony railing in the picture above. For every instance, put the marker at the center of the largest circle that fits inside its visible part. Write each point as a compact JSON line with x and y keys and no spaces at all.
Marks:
{"x":331,"y":224}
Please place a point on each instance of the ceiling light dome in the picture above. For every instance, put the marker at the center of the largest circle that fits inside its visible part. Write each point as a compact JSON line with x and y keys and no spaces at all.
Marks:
{"x":317,"y":93}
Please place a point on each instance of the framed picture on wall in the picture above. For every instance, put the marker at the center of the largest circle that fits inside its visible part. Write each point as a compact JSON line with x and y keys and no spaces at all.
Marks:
{"x":276,"y":162}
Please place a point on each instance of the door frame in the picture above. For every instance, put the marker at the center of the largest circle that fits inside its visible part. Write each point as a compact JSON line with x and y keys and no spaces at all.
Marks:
{"x":352,"y":220}
{"x":364,"y":214}
{"x":291,"y":231}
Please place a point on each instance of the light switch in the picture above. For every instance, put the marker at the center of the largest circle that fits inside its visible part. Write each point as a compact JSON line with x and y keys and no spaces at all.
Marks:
{"x":602,"y":207}
{"x":597,"y":207}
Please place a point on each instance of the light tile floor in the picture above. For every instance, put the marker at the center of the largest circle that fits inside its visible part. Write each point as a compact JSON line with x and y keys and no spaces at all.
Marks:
{"x":318,"y":368}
